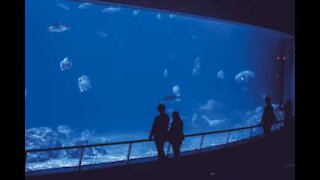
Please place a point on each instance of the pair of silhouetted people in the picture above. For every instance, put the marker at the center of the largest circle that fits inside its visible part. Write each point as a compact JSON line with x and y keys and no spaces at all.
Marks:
{"x":268,"y":117}
{"x":161,"y":133}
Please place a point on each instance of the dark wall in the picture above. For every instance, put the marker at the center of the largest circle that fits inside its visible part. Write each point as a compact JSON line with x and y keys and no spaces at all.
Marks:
{"x":274,"y":14}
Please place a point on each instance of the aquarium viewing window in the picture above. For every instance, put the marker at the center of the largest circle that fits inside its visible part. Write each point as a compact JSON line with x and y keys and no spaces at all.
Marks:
{"x":95,"y":73}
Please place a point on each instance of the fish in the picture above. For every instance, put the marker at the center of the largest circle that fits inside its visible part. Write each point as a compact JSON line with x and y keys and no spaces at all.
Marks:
{"x":111,"y":10}
{"x":58,"y":27}
{"x":171,"y":98}
{"x":63,"y":6}
{"x":212,"y":122}
{"x":84,"y":5}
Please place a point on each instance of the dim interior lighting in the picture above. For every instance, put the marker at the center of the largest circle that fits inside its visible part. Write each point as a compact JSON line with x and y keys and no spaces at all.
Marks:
{"x":212,"y":174}
{"x":278,"y":57}
{"x":284,"y":57}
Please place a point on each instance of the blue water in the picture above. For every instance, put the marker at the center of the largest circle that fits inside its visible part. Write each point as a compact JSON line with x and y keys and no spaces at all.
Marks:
{"x":133,"y":61}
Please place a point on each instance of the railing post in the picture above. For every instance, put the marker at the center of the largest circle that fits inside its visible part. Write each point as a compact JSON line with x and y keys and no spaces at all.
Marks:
{"x":81,"y":154}
{"x":250,"y":135}
{"x":129,"y":152}
{"x":168,"y":149}
{"x":228,"y":138}
{"x":201,"y":142}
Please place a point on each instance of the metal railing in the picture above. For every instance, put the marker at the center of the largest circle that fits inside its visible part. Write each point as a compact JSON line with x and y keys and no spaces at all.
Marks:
{"x":130,"y":143}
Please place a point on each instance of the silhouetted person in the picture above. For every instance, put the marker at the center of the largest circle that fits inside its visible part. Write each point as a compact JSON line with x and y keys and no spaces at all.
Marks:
{"x":287,"y":108}
{"x":268,"y":117}
{"x":159,"y":130}
{"x":281,"y":108}
{"x":176,"y":135}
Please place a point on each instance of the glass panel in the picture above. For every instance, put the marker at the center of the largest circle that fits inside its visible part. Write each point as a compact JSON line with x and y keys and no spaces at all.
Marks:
{"x":239,"y":135}
{"x":78,"y":73}
{"x":191,"y":143}
{"x":105,"y":154}
{"x":277,"y":126}
{"x":256,"y":131}
{"x":144,"y":149}
{"x":214,"y":139}
{"x":52,"y":159}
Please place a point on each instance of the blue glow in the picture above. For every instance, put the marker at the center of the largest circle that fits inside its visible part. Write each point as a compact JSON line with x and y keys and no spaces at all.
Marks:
{"x":136,"y":57}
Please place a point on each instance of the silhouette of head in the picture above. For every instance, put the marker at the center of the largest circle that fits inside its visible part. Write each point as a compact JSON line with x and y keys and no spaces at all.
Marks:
{"x":161,"y":108}
{"x":267,"y":100}
{"x":175,"y":116}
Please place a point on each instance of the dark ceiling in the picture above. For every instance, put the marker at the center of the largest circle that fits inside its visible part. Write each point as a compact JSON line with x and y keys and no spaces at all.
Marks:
{"x":278,"y":15}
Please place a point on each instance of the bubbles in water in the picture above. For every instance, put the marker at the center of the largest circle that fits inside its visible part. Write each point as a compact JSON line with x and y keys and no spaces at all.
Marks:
{"x":244,"y":77}
{"x":63,"y":6}
{"x":111,"y":10}
{"x":197,"y":63}
{"x":158,"y":16}
{"x":84,"y":83}
{"x":176,"y":90}
{"x":196,"y":66}
{"x":135,"y":12}
{"x":65,"y":64}
{"x":220,"y":74}
{"x":165,"y":73}
{"x":84,"y":5}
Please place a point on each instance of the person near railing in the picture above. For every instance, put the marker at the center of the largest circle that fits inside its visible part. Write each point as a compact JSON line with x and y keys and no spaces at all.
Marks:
{"x":287,"y":108}
{"x":159,"y":130}
{"x":175,"y":135}
{"x":268,"y":117}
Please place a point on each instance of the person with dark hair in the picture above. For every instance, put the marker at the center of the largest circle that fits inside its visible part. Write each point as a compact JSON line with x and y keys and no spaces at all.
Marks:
{"x":287,"y":108}
{"x":176,"y":135}
{"x":159,"y":130}
{"x":268,"y":117}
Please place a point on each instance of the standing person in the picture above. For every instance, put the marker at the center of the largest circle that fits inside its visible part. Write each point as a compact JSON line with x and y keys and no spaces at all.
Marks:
{"x":288,"y":113}
{"x":176,"y":135}
{"x":287,"y":108}
{"x":159,"y":130}
{"x":268,"y":117}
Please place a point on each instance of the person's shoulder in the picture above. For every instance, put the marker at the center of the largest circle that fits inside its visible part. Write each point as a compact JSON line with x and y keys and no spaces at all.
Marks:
{"x":157,"y":117}
{"x":164,"y":116}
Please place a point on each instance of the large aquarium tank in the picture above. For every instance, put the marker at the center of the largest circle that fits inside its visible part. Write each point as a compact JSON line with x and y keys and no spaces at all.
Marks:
{"x":95,"y":73}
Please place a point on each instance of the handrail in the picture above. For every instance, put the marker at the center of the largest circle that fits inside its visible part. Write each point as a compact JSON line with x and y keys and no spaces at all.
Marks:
{"x":82,"y":147}
{"x":138,"y":141}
